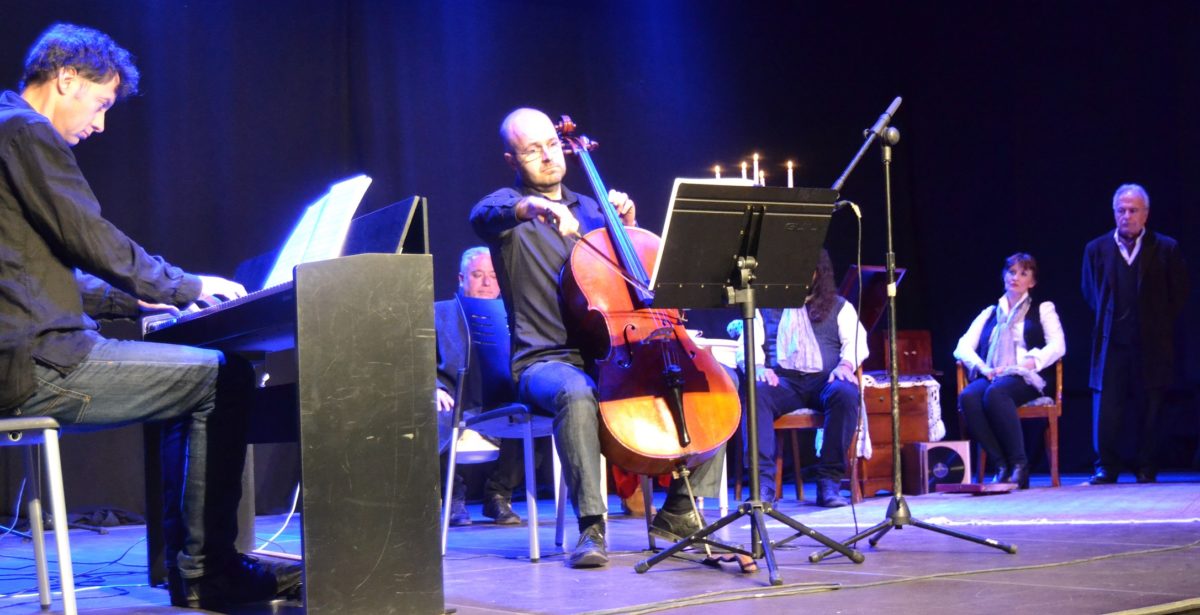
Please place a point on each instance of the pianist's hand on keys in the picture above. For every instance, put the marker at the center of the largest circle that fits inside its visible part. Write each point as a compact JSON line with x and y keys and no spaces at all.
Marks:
{"x":214,"y":290}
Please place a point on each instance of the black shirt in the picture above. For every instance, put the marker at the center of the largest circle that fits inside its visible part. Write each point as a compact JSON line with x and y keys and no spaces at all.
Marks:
{"x":529,"y":257}
{"x":50,"y":224}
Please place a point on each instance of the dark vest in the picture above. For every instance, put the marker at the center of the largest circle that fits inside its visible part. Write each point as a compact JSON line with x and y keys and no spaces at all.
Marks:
{"x":828,"y":339}
{"x":1125,"y":299}
{"x":1035,"y":337}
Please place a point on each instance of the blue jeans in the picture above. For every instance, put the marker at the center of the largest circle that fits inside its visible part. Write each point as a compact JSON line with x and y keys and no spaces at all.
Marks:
{"x":569,"y":394}
{"x":199,"y":399}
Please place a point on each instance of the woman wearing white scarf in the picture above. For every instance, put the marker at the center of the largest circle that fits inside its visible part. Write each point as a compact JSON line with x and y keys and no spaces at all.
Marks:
{"x":1007,"y":352}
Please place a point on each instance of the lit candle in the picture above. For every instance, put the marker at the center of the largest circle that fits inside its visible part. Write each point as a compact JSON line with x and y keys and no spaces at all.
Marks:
{"x":791,"y":182}
{"x":717,"y":171}
{"x":762,"y":178}
{"x":756,"y":166}
{"x":743,"y":169}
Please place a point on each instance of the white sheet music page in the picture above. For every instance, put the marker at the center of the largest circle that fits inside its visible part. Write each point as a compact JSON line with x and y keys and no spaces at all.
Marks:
{"x":322,"y":230}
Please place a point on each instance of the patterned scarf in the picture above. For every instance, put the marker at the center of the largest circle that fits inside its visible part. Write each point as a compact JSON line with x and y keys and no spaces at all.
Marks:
{"x":1002,"y":348}
{"x":796,"y":344}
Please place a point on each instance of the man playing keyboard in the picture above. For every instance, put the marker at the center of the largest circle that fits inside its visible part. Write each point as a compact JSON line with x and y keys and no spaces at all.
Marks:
{"x":54,"y":363}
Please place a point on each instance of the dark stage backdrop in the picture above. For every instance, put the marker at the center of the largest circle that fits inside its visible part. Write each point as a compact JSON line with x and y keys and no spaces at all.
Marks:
{"x":1019,"y":120}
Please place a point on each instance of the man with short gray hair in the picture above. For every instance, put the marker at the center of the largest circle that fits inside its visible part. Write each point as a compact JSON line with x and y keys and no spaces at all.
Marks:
{"x":1136,"y":283}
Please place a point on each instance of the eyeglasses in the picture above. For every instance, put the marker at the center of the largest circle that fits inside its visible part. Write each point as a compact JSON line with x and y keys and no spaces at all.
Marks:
{"x":536,"y":150}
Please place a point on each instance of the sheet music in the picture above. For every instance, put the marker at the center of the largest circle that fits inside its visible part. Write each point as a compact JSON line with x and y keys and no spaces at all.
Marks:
{"x":322,"y":230}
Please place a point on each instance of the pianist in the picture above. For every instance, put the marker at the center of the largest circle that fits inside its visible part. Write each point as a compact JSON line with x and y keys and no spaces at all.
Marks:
{"x":53,"y":362}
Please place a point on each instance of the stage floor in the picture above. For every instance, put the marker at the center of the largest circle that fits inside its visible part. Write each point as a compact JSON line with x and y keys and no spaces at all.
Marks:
{"x":1081,"y":549}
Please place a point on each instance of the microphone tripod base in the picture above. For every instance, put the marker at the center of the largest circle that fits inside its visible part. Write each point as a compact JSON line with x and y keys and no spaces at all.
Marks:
{"x":899,"y":516}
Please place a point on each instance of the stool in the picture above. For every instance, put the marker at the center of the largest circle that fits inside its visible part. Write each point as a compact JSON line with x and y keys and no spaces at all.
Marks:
{"x":29,"y":433}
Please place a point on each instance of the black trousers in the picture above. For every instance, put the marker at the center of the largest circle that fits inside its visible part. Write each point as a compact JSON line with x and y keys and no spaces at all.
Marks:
{"x":990,"y":410}
{"x":1124,"y":394}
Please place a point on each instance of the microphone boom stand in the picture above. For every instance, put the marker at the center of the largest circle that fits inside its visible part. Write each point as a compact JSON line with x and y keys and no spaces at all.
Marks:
{"x":898,"y":514}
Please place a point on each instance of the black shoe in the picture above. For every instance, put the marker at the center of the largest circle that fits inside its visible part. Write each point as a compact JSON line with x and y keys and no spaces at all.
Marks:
{"x":675,"y":527}
{"x":458,"y":513}
{"x":500,"y":509}
{"x":245,"y":580}
{"x":1003,"y":475}
{"x":590,"y":551}
{"x":1020,"y":475}
{"x":1103,"y":477}
{"x":175,"y":588}
{"x":1147,"y":476}
{"x":829,"y":493}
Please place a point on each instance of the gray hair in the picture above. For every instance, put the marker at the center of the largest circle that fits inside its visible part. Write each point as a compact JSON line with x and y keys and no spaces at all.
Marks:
{"x":469,"y":255}
{"x":1134,"y":188}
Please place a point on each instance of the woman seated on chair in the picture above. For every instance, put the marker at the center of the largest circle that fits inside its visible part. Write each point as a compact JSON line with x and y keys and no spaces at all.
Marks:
{"x":1009,"y":353}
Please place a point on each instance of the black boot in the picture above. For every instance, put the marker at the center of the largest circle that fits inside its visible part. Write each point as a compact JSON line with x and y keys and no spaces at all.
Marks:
{"x":499,"y":508}
{"x":1020,"y":475}
{"x":829,"y":493}
{"x":244,"y":580}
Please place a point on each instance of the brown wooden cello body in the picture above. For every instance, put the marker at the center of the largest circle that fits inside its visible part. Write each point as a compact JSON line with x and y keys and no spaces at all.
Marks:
{"x":664,"y":401}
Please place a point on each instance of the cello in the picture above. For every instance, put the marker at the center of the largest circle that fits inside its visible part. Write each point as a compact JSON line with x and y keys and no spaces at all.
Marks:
{"x":664,"y":401}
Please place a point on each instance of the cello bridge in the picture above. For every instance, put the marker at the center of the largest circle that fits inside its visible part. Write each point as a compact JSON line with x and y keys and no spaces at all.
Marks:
{"x":660,"y":335}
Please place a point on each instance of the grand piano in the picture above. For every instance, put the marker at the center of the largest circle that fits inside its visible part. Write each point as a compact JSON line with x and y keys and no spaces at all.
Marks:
{"x":345,"y":361}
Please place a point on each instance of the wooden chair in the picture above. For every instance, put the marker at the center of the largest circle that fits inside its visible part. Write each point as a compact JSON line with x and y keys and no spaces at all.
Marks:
{"x":1049,"y":408}
{"x":29,"y":432}
{"x":793,"y":422}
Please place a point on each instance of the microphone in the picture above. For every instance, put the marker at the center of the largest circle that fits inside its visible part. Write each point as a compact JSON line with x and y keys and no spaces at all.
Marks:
{"x":883,"y":120}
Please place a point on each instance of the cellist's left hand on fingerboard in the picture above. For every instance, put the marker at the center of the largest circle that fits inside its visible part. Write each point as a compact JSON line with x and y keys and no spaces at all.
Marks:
{"x":625,"y":207}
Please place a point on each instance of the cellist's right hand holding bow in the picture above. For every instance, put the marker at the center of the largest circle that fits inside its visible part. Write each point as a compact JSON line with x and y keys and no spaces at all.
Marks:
{"x":548,"y":212}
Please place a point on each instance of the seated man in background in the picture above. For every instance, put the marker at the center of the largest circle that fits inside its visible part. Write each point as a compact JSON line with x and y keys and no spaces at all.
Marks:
{"x":477,"y":279}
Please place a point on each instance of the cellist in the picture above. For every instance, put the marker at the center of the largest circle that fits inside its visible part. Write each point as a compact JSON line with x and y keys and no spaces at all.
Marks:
{"x":531,"y":229}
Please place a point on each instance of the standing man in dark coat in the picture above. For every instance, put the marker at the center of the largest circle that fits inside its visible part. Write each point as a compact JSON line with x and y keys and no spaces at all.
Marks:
{"x":1136,"y":282}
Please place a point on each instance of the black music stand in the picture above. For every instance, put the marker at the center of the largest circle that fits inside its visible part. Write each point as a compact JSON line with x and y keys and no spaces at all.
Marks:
{"x":746,"y":245}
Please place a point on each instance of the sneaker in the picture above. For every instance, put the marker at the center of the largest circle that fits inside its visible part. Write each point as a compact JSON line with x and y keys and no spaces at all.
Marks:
{"x":244,"y":580}
{"x":829,"y":493}
{"x":675,"y":527}
{"x":499,"y":509}
{"x":458,"y":513}
{"x":590,"y":551}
